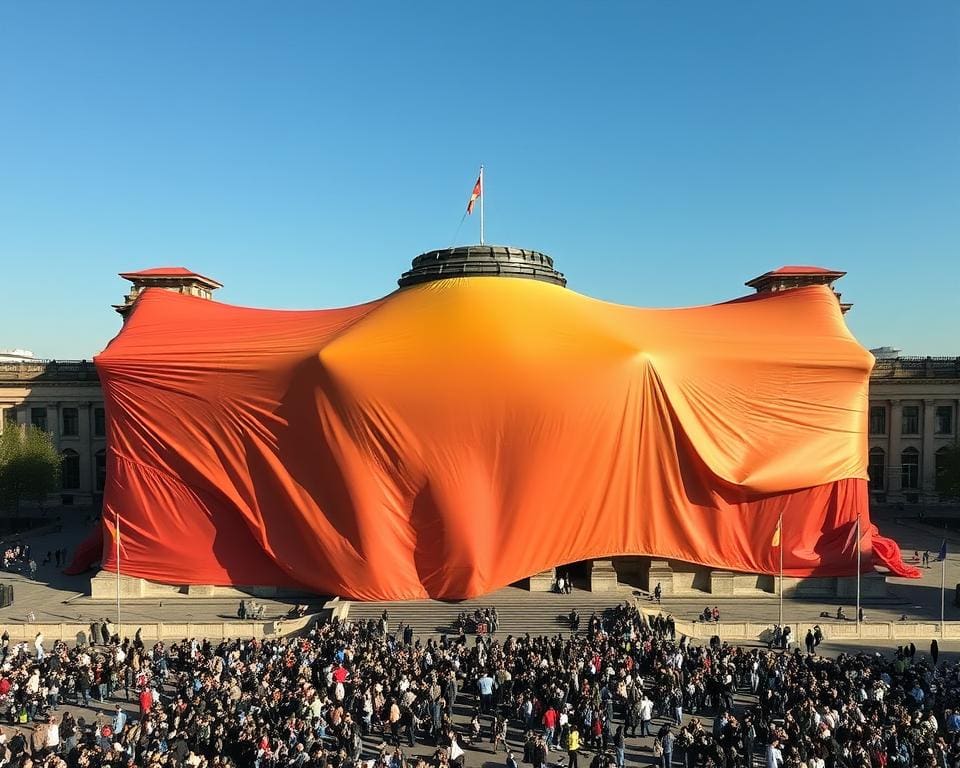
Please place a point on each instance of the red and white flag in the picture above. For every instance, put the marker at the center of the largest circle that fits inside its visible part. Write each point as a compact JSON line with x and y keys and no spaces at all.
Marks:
{"x":477,"y":191}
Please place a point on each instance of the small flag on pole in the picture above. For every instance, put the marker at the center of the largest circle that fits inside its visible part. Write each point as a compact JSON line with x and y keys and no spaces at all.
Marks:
{"x":943,"y":551}
{"x":776,"y":536}
{"x":475,"y":195}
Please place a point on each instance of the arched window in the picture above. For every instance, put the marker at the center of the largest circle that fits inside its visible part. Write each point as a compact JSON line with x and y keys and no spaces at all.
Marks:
{"x":100,"y":466}
{"x":877,"y":469}
{"x":70,"y":470}
{"x":910,"y":469}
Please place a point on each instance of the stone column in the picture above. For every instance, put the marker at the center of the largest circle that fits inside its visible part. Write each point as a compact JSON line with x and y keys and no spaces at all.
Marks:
{"x":928,"y":466}
{"x":543,"y":581}
{"x":603,"y":577}
{"x":85,"y":448}
{"x":893,"y":456}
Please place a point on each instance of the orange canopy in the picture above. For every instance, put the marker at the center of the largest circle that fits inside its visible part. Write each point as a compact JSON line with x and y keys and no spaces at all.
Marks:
{"x":460,"y":435}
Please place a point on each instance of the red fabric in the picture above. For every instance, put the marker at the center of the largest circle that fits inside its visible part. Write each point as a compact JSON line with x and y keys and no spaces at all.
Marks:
{"x":87,"y":553}
{"x":460,"y":435}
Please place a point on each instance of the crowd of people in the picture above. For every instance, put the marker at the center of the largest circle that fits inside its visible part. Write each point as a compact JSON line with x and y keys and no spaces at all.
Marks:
{"x":346,"y":694}
{"x":18,"y":557}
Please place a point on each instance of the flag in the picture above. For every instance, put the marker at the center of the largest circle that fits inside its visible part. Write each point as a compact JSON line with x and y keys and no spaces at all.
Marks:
{"x":776,"y":536}
{"x":943,"y":551}
{"x":477,"y":191}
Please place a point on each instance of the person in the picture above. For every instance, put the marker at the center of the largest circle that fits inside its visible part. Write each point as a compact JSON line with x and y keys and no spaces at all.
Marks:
{"x":926,"y":558}
{"x":573,"y":746}
{"x":538,"y":755}
{"x":549,"y":724}
{"x":499,"y":733}
{"x":840,"y":614}
{"x":715,"y":614}
{"x":934,"y":651}
{"x":646,"y":714}
{"x":485,"y":688}
{"x":119,"y":720}
{"x":665,"y":740}
{"x":511,"y":761}
{"x":242,"y":610}
{"x":619,"y":746}
{"x":774,"y":757}
{"x":749,"y":737}
{"x":657,"y":593}
{"x":560,"y":585}
{"x":808,"y":641}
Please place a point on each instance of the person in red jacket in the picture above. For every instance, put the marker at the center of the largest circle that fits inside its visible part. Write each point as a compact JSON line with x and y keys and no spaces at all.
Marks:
{"x":146,"y":701}
{"x":549,"y":724}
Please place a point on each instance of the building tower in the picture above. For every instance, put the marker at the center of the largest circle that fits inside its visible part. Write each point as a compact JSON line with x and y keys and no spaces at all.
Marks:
{"x":787,"y":278}
{"x":176,"y":279}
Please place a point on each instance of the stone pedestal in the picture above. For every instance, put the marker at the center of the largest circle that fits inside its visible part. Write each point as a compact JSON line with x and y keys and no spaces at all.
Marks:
{"x":660,"y":573}
{"x":603,"y":577}
{"x":871,"y":585}
{"x":543,"y":581}
{"x":201,"y":590}
{"x":722,"y":583}
{"x":103,"y":586}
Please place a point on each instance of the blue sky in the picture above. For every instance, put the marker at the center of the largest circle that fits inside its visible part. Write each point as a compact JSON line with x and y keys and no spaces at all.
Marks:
{"x":303,"y":152}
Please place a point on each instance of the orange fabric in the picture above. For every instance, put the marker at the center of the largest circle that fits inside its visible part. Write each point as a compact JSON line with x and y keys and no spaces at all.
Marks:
{"x":460,"y":435}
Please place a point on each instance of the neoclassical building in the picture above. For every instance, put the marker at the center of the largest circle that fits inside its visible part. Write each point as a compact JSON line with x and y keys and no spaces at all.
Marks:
{"x":914,"y":401}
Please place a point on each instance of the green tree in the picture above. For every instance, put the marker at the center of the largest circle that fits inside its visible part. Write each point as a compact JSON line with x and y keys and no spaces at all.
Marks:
{"x":29,"y":465}
{"x":948,"y":471}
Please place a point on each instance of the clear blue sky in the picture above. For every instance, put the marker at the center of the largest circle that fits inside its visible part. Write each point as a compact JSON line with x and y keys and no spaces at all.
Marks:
{"x":303,"y":152}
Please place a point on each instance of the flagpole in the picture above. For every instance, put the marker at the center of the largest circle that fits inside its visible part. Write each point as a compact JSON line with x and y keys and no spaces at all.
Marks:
{"x":780,"y":531}
{"x":483,"y":194}
{"x":858,"y":574}
{"x":118,"y":574}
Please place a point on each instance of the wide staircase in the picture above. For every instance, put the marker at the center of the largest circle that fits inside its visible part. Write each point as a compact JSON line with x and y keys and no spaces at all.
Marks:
{"x":520,"y":611}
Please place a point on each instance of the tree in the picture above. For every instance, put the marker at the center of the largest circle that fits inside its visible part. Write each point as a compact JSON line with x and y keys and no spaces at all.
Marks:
{"x":948,"y":471}
{"x":29,"y":465}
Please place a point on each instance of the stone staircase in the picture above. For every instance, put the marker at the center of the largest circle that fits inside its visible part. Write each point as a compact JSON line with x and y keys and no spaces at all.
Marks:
{"x":521,"y":611}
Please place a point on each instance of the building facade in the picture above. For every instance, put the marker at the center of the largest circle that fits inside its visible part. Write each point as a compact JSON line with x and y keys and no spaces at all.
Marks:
{"x":914,"y":401}
{"x":64,"y":399}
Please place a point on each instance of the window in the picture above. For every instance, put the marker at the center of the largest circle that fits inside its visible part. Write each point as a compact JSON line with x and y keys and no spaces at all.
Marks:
{"x":38,"y":417}
{"x":100,"y":463}
{"x":877,"y":469}
{"x":941,"y":458}
{"x":943,"y":420}
{"x":99,"y":427}
{"x":911,"y":420}
{"x":70,"y":470}
{"x":71,"y":422}
{"x":910,"y":469}
{"x":878,"y":419}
